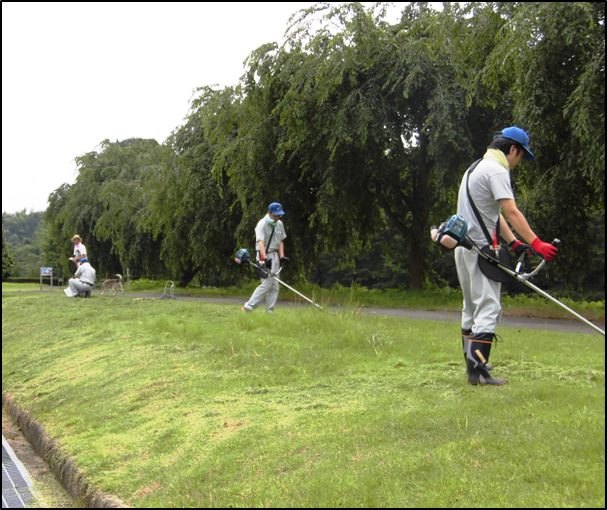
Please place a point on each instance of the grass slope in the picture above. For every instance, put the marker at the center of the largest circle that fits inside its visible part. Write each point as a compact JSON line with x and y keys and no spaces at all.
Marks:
{"x":191,"y":404}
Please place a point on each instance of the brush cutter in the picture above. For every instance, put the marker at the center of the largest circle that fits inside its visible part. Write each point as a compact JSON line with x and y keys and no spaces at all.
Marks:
{"x":243,"y":256}
{"x":452,"y":233}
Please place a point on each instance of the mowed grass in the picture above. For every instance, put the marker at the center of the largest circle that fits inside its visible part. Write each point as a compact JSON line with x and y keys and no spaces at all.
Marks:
{"x":186,"y":404}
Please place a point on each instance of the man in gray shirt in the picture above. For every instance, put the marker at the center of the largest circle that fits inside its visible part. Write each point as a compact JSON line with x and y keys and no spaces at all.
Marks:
{"x":82,"y":283}
{"x":489,"y":187}
{"x":269,"y":236}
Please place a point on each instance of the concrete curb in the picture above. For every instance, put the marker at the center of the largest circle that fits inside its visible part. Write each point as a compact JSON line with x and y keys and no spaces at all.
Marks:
{"x":62,"y":466}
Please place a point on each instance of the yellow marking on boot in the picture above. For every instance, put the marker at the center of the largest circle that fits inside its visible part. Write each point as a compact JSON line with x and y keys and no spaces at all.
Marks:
{"x":480,"y":355}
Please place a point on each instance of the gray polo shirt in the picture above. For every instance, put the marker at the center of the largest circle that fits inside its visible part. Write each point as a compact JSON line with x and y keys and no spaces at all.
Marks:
{"x":86,"y":273}
{"x":489,"y":183}
{"x":263,"y":231}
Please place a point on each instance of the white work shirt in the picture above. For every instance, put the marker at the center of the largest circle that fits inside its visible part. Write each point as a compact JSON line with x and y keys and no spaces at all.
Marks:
{"x":86,"y":273}
{"x":489,"y":183}
{"x":263,"y":231}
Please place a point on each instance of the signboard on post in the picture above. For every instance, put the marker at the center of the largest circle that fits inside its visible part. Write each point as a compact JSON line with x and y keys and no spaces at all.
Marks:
{"x":46,"y":271}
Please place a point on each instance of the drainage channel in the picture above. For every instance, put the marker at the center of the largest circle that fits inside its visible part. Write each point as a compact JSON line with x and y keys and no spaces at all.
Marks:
{"x":16,"y":483}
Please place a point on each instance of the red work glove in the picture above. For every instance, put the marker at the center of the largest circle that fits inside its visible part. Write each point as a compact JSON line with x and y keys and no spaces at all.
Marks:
{"x":545,"y":250}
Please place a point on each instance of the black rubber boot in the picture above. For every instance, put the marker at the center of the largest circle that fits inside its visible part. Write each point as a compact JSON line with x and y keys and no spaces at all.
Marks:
{"x":465,"y":334}
{"x":479,"y":349}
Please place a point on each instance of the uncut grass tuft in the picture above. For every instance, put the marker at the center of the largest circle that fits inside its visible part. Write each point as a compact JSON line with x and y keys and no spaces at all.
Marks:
{"x":182,"y":403}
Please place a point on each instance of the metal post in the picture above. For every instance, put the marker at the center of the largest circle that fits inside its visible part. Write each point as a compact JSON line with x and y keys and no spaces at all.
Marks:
{"x":128,"y":279}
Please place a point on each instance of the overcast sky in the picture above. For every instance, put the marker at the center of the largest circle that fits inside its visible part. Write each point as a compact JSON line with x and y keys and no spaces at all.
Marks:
{"x":75,"y":74}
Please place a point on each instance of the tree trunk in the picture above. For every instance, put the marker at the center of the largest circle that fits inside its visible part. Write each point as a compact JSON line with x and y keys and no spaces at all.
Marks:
{"x":417,"y":267}
{"x":188,"y":276}
{"x":420,"y":212}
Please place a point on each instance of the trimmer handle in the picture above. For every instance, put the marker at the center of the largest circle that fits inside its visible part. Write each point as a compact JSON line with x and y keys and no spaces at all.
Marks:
{"x":521,"y":259}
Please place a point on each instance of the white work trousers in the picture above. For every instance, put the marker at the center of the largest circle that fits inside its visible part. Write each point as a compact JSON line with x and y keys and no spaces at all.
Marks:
{"x":268,"y":290}
{"x":482,"y":296}
{"x":78,"y":288}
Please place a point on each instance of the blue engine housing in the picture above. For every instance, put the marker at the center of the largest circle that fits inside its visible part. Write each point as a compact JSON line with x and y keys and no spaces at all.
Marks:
{"x":242,"y":255}
{"x":456,"y":227}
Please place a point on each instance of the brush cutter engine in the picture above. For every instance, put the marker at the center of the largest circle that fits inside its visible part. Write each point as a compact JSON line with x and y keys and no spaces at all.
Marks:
{"x":242,"y":255}
{"x":451,"y":233}
{"x":243,"y":258}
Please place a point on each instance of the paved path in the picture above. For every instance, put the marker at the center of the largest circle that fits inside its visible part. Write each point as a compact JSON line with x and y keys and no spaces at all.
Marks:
{"x":571,"y":326}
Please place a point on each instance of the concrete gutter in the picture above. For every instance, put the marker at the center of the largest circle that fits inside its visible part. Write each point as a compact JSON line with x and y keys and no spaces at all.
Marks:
{"x":62,"y":466}
{"x":18,"y":490}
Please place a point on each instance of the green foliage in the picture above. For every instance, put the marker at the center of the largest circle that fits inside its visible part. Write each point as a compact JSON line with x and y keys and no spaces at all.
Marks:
{"x":362,"y":130}
{"x":552,"y":56}
{"x":9,"y":262}
{"x":20,"y":226}
{"x":104,"y":207}
{"x":26,"y":236}
{"x":193,"y":211}
{"x":357,"y":125}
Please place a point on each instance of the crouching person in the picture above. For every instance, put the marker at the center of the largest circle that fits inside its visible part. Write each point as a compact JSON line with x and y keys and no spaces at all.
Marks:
{"x":82,"y":283}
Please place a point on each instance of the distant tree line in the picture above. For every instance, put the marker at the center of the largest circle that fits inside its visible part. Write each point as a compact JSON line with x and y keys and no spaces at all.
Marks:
{"x":362,"y":130}
{"x":23,"y":234}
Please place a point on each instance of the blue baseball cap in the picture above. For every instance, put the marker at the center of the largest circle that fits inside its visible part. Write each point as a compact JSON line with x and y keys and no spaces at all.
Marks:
{"x":276,"y":209}
{"x":518,"y":135}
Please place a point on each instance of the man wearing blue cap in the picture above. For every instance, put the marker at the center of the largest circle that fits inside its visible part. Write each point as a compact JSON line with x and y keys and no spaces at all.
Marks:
{"x":485,"y":190}
{"x":269,"y":236}
{"x":82,"y":283}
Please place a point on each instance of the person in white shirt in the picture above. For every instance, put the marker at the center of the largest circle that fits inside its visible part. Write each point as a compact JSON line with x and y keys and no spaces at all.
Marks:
{"x":79,"y":250}
{"x":269,"y":235}
{"x":82,"y":283}
{"x":485,"y":190}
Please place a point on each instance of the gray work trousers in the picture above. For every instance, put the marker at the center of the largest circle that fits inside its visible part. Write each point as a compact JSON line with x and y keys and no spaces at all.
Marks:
{"x":482,"y":297}
{"x":78,"y":288}
{"x":268,"y":290}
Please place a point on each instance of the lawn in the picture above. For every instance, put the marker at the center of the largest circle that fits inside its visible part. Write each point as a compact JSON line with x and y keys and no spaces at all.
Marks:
{"x":185,"y":404}
{"x":436,"y":299}
{"x":532,"y":305}
{"x":24,"y":287}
